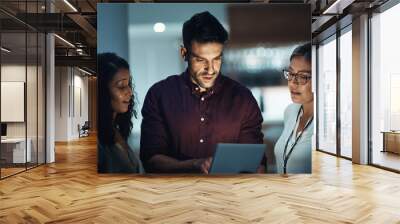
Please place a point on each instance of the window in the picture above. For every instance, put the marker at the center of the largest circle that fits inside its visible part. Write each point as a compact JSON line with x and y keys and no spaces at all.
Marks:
{"x":346,"y":93}
{"x":385,"y":88}
{"x":22,"y":75}
{"x":326,"y":96}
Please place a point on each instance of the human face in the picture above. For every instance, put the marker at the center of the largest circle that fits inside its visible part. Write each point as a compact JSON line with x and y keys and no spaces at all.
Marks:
{"x":300,"y":94}
{"x":120,"y":91}
{"x":204,"y":63}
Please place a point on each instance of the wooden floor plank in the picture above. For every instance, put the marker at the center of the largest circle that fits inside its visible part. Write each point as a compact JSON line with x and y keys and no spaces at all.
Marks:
{"x":71,"y":191}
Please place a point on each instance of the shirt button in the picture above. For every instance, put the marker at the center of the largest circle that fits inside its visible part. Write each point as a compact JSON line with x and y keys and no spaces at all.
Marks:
{"x":197,"y":88}
{"x":202,"y":99}
{"x":202,"y":119}
{"x":201,"y":140}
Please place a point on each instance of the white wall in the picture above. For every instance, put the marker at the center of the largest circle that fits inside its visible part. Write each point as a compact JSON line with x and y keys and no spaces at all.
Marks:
{"x":80,"y":89}
{"x":112,"y":35}
{"x":13,"y":72}
{"x":33,"y":126}
{"x":149,"y":65}
{"x":16,"y":73}
{"x":70,"y":83}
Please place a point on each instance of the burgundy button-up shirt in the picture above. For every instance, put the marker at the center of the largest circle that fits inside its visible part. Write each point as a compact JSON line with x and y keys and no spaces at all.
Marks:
{"x":180,"y":122}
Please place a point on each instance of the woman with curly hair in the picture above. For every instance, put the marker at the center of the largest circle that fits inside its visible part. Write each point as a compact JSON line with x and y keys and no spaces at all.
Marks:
{"x":116,"y":108}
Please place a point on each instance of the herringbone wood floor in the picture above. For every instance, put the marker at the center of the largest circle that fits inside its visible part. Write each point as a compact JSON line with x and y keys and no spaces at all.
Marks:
{"x":71,"y":191}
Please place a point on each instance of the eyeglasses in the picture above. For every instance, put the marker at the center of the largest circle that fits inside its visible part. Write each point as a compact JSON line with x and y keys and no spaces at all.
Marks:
{"x":300,"y":77}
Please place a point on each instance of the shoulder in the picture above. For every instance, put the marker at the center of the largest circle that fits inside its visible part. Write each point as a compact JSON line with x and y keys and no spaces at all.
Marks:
{"x":159,"y":87}
{"x":236,"y":87}
{"x":170,"y":80}
{"x":291,"y":110}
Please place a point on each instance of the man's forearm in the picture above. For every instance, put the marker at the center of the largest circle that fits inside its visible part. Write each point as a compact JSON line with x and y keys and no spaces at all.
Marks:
{"x":165,"y":164}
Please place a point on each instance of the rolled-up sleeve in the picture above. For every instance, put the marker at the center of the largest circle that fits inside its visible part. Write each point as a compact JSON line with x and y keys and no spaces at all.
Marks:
{"x":154,"y":136}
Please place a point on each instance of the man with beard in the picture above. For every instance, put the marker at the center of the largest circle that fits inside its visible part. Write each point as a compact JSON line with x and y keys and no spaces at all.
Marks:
{"x":186,"y":115}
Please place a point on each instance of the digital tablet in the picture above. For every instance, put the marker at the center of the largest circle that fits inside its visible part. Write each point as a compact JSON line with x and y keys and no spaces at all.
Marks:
{"x":237,"y":158}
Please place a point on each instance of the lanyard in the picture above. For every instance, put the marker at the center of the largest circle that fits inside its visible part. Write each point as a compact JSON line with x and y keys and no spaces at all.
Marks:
{"x":286,"y":157}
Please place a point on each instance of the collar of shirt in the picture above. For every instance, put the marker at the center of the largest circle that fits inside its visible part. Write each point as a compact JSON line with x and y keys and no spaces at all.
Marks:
{"x":195,"y":89}
{"x":296,"y":126}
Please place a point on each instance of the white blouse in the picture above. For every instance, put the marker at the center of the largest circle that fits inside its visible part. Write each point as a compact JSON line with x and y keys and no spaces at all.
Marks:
{"x":299,"y":160}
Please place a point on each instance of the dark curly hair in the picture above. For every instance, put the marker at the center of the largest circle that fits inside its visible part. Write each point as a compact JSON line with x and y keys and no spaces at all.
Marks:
{"x":108,"y":65}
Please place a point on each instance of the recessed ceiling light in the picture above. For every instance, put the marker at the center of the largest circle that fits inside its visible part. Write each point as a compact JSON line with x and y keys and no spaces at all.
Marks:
{"x":159,"y":27}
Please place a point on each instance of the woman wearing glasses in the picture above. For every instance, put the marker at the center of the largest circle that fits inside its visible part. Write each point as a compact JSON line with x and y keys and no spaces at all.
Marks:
{"x":293,"y":149}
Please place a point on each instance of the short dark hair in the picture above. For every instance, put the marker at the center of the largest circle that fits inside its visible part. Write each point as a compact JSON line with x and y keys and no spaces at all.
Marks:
{"x":108,"y":64}
{"x":203,"y":27}
{"x":303,"y":51}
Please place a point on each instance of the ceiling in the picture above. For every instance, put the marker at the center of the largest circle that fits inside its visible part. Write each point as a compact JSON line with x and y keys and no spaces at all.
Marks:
{"x":76,"y":22}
